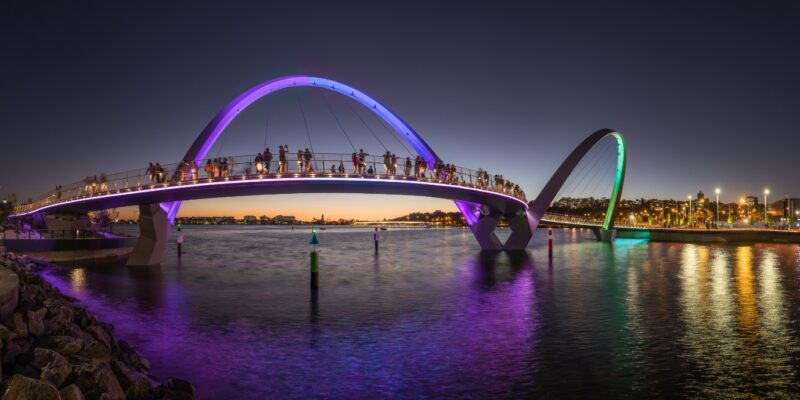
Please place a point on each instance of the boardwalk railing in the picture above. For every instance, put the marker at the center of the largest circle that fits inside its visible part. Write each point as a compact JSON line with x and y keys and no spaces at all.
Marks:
{"x":245,"y":167}
{"x":584,"y":220}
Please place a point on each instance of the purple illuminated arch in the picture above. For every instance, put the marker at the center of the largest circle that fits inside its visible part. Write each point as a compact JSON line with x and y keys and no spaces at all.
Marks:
{"x":214,"y":129}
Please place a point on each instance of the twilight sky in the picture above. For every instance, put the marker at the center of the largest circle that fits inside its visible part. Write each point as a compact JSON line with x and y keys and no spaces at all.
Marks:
{"x":706,"y":94}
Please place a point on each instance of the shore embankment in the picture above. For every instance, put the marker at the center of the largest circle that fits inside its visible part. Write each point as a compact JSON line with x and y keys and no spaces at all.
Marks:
{"x":52,"y":348}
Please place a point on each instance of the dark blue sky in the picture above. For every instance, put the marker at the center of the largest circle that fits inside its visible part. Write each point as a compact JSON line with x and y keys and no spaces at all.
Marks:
{"x":707,"y":94}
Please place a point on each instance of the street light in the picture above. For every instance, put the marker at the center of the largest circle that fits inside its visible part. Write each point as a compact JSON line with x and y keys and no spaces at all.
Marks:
{"x":766,"y":192}
{"x":718,"y":191}
{"x":690,"y":211}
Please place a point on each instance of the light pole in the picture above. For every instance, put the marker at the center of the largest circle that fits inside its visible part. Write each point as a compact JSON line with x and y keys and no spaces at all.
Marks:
{"x":690,"y":211}
{"x":766,"y":192}
{"x":717,"y":191}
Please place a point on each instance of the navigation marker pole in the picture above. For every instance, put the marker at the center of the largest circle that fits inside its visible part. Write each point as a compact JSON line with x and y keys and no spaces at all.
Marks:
{"x":550,"y":243}
{"x":180,"y":239}
{"x":376,"y":237}
{"x":314,"y":260}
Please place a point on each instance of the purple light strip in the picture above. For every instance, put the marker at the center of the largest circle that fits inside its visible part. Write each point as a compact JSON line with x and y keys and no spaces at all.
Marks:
{"x":255,"y":182}
{"x":470,"y":211}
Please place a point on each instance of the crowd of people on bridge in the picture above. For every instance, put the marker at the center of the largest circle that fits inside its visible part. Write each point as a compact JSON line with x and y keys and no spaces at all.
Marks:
{"x":306,"y":164}
{"x":91,"y":185}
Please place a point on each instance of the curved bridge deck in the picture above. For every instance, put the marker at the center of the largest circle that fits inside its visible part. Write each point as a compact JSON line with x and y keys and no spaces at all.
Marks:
{"x":241,"y":179}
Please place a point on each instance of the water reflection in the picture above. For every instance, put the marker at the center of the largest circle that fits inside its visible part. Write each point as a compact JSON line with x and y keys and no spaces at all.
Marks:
{"x":430,"y":317}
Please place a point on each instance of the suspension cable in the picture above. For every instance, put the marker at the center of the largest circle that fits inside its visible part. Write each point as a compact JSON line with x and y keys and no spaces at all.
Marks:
{"x":590,"y":170}
{"x":395,"y":135}
{"x":221,"y":145}
{"x":265,"y":134}
{"x":330,"y":109}
{"x":568,"y":189}
{"x":369,"y":128}
{"x":308,"y":132}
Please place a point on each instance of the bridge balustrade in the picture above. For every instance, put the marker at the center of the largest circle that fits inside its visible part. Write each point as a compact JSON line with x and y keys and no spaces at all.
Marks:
{"x":244,"y":167}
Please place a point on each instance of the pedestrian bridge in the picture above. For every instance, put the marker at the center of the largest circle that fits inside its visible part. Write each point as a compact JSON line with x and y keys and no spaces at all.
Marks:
{"x":482,"y":200}
{"x":136,"y":187}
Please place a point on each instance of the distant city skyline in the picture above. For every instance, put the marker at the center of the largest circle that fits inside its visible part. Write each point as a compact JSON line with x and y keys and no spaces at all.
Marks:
{"x":704,"y":93}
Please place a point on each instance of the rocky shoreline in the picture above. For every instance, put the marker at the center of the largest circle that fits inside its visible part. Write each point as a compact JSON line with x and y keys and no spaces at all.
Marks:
{"x":54,"y":349}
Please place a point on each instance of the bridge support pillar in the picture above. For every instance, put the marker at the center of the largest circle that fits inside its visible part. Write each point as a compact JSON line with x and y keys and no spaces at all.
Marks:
{"x":521,"y":232}
{"x":483,"y":230}
{"x":604,"y":235}
{"x":154,"y":230}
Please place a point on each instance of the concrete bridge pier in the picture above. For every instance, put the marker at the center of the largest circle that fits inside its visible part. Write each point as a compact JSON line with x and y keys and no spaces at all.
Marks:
{"x":483,"y":229}
{"x":521,"y":231}
{"x":604,"y":235}
{"x":154,"y":230}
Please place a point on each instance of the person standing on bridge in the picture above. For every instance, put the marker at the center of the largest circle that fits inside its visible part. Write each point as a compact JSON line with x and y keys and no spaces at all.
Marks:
{"x":355,"y":163}
{"x":394,"y":164}
{"x":267,"y":160}
{"x":416,"y":166}
{"x":151,"y":172}
{"x":162,"y":173}
{"x":281,"y":159}
{"x":259,"y":164}
{"x":362,"y":163}
{"x":299,"y":161}
{"x":387,"y":160}
{"x":407,"y":168}
{"x":341,"y":167}
{"x":307,"y":156}
{"x":195,"y":170}
{"x":209,"y":169}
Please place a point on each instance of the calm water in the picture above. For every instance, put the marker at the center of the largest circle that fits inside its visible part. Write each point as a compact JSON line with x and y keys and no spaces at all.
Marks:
{"x":430,"y":318}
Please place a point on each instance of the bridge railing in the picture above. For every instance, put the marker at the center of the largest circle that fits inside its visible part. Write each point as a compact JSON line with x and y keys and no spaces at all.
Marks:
{"x":586,"y":220}
{"x":246,"y":167}
{"x":573,"y":219}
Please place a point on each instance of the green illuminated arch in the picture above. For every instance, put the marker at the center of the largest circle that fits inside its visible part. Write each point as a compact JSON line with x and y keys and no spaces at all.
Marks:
{"x":619,"y":179}
{"x":539,"y":206}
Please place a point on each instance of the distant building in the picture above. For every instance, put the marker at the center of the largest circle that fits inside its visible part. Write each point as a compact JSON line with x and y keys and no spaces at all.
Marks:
{"x":250,"y":219}
{"x":284,"y":220}
{"x":264,"y":220}
{"x":785,"y":208}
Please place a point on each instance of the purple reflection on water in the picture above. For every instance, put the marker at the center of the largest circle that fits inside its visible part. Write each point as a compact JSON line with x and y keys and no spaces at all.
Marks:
{"x":427,"y":318}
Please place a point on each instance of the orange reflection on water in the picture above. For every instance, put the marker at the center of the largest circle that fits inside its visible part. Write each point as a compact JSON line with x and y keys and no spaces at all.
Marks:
{"x":748,"y":309}
{"x":77,"y":278}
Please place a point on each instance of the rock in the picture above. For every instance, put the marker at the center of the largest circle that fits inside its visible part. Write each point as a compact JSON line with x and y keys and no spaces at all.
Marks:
{"x":31,"y":294}
{"x":180,"y":389}
{"x":23,"y":388}
{"x":12,"y":350}
{"x":95,"y":350}
{"x":6,"y":334}
{"x":135,"y":384}
{"x":76,"y":331}
{"x":100,"y":335}
{"x":128,"y":355}
{"x":35,"y":320}
{"x":16,"y":324}
{"x":71,"y":392}
{"x":64,"y":315}
{"x":83,"y":318}
{"x":65,"y":345}
{"x":54,"y":368}
{"x":96,"y":379}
